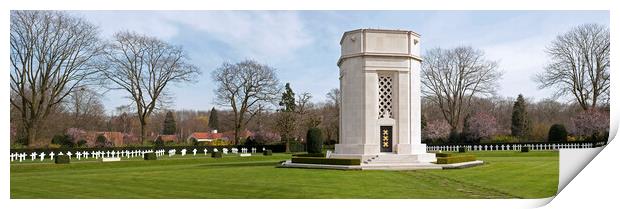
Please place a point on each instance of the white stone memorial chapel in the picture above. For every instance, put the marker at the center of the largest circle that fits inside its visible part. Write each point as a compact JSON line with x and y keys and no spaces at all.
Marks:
{"x":380,"y":97}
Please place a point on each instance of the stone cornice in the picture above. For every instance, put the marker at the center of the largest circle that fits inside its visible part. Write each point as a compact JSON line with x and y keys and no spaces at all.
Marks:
{"x":379,"y":31}
{"x":371,"y":54}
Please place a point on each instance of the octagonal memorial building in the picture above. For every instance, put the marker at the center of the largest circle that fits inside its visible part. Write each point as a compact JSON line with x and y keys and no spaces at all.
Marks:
{"x":380,"y":97}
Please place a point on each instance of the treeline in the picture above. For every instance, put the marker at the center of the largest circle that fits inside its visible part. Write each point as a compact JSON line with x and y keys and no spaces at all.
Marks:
{"x":494,"y":120}
{"x":60,"y":66}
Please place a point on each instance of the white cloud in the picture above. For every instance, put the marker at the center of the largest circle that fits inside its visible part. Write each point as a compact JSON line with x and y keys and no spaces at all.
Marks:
{"x":520,"y":60}
{"x":111,"y":22}
{"x":251,"y":34}
{"x":256,"y":34}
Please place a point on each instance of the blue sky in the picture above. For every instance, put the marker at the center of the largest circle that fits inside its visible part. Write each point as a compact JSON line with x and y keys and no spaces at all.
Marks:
{"x":304,"y":45}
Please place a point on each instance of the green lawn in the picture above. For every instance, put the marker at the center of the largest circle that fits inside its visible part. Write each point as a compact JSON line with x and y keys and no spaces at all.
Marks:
{"x":504,"y":175}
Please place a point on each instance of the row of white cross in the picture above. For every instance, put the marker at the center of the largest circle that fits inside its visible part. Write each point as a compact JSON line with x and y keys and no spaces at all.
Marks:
{"x":117,"y":154}
{"x":508,"y":147}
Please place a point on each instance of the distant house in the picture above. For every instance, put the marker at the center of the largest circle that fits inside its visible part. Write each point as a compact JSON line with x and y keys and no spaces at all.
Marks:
{"x":243,"y":134}
{"x":206,"y":136}
{"x":167,"y":138}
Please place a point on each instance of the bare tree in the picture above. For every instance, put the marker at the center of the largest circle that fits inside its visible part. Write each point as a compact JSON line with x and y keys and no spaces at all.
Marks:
{"x":52,"y":54}
{"x":143,"y":66}
{"x":451,"y":77}
{"x":85,"y":106}
{"x":331,"y":112}
{"x":303,"y":109}
{"x":333,"y":97}
{"x":244,"y":87}
{"x":579,"y":65}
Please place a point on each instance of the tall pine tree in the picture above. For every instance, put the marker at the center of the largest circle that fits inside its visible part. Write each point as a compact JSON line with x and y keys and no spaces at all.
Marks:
{"x":170,"y":125}
{"x":520,"y":120}
{"x":288,"y":99}
{"x":213,"y":121}
{"x":286,"y":120}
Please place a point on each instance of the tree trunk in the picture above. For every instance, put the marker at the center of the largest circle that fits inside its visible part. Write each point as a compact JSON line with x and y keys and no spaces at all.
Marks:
{"x":31,"y":131}
{"x":142,"y":130}
{"x":237,"y":130}
{"x":288,"y":148}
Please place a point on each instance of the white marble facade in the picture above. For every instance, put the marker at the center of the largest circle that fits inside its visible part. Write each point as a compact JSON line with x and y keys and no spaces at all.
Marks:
{"x":380,"y":90}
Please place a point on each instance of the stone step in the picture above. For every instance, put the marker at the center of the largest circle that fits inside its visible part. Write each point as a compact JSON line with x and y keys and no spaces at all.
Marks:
{"x":392,"y":159}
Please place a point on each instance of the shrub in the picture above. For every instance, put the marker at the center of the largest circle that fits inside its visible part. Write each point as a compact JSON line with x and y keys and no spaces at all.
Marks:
{"x":310,"y":155}
{"x":315,"y":141}
{"x":502,"y":139}
{"x":62,"y":159}
{"x":455,"y":159}
{"x":53,"y":146}
{"x":159,"y":142}
{"x":326,"y":161}
{"x":461,"y":149}
{"x":101,"y":141}
{"x":216,"y":155}
{"x":443,"y":154}
{"x":81,"y":143}
{"x":63,"y":140}
{"x":454,"y":137}
{"x":557,"y":133}
{"x":262,"y":138}
{"x":591,"y":124}
{"x":525,"y":149}
{"x":18,"y":145}
{"x":150,"y":156}
{"x":540,"y":132}
{"x":478,"y":126}
{"x":436,"y":130}
{"x":267,"y":152}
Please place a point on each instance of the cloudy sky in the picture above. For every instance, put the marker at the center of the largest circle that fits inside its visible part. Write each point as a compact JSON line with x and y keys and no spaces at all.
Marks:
{"x":304,"y":45}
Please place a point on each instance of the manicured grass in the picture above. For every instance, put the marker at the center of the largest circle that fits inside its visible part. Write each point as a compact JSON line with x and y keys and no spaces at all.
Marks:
{"x":504,"y":175}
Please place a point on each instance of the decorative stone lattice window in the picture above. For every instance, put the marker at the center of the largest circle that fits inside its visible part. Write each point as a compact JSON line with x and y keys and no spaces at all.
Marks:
{"x":385,"y":96}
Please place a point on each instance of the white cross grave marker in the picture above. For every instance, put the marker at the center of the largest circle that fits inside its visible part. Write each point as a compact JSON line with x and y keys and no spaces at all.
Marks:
{"x":42,"y":156}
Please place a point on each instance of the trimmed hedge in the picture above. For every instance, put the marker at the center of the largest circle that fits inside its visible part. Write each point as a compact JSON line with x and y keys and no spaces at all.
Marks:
{"x":525,"y":149}
{"x":309,"y":155}
{"x":557,"y":133}
{"x":443,"y":155}
{"x":267,"y":152}
{"x":62,"y":159}
{"x":216,"y":155}
{"x":325,"y":161}
{"x":150,"y":156}
{"x":462,"y":149}
{"x":314,"y":142}
{"x":455,"y":159}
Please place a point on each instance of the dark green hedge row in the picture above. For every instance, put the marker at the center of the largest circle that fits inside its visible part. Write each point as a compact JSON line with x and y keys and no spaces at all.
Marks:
{"x":150,"y":156}
{"x":62,"y":159}
{"x":216,"y":155}
{"x":267,"y":152}
{"x":443,"y":154}
{"x":326,"y":161}
{"x":309,"y":155}
{"x":455,"y":159}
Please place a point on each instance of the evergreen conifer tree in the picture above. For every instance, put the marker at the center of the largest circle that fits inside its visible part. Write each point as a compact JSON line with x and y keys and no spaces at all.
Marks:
{"x":170,"y":125}
{"x":520,"y":120}
{"x":213,"y":120}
